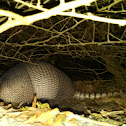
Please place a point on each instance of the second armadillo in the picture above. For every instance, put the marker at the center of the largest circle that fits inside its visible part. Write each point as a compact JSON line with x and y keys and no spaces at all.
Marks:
{"x":22,"y":81}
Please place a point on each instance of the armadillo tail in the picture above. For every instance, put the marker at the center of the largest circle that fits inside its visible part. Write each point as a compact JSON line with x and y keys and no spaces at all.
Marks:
{"x":81,"y":96}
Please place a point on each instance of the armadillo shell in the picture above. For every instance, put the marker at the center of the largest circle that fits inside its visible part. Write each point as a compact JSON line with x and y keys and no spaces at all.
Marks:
{"x":16,"y":86}
{"x":49,"y":82}
{"x":22,"y":81}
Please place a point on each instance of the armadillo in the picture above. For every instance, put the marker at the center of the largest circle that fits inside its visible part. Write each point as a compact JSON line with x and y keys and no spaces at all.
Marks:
{"x":22,"y":81}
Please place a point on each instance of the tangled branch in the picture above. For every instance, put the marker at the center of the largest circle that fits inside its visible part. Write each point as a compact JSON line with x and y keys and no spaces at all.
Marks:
{"x":65,"y":9}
